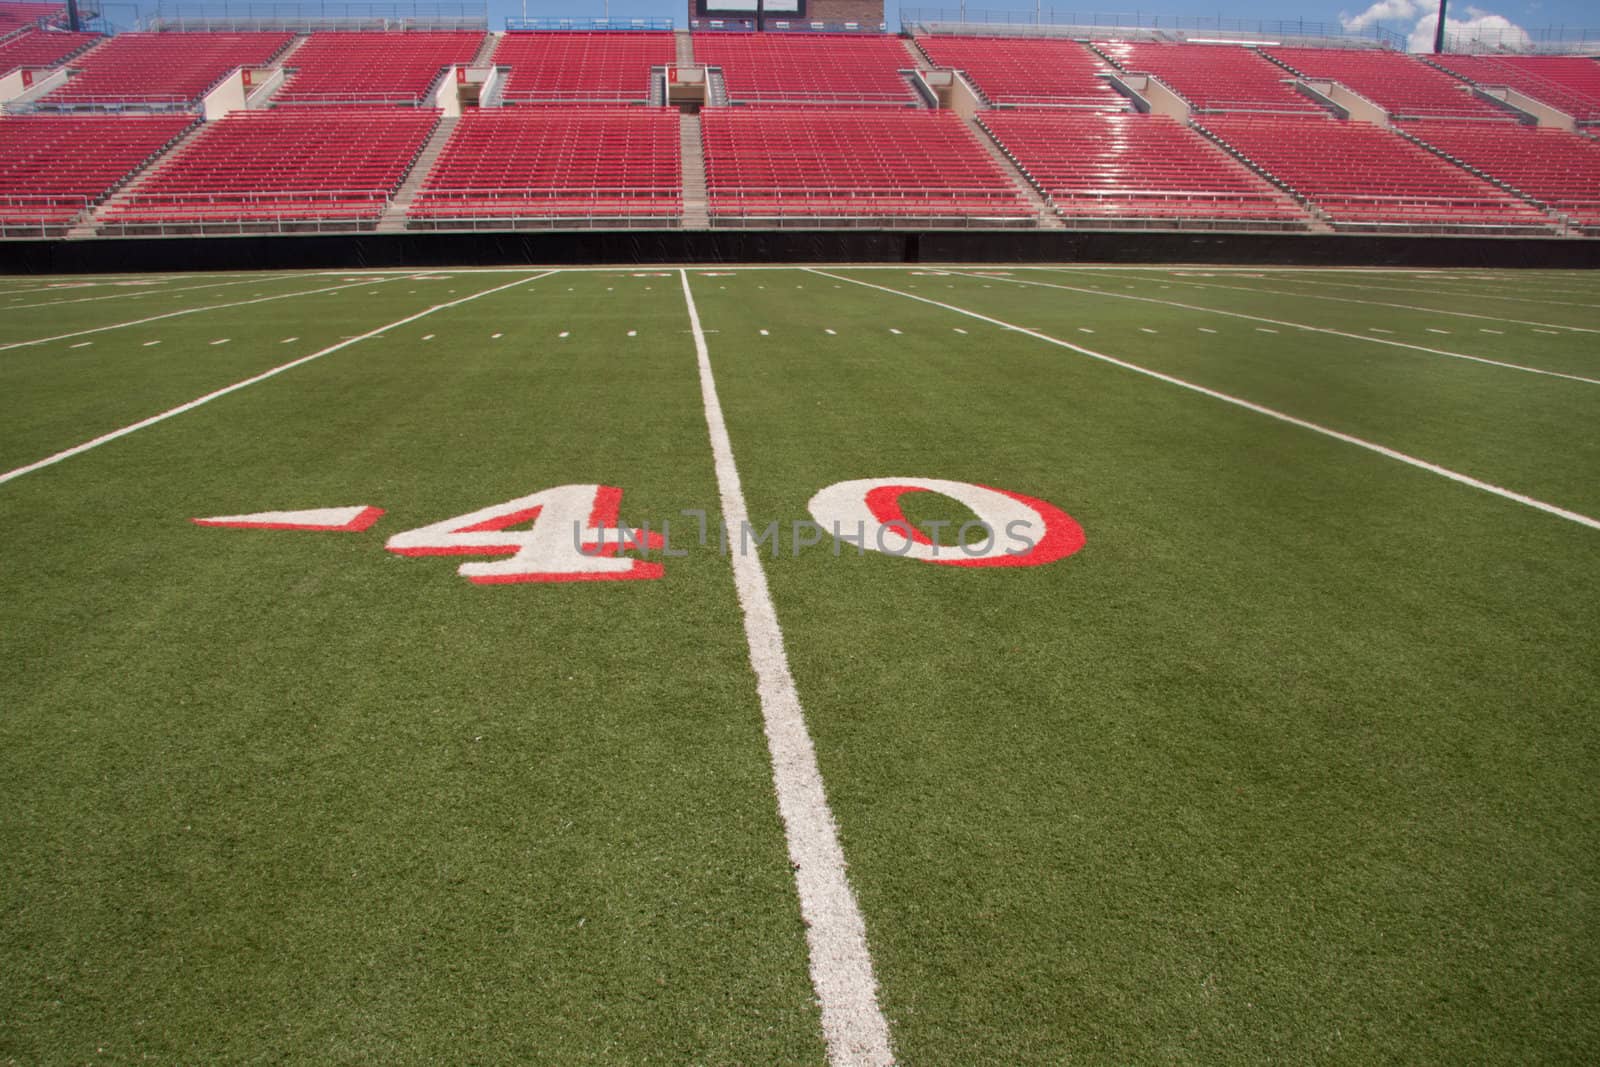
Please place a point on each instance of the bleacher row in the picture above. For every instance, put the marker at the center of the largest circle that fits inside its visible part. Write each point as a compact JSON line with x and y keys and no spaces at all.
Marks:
{"x":820,"y":128}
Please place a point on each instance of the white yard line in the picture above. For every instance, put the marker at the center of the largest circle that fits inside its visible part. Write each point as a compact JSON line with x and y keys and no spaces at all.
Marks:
{"x":183,"y":311}
{"x":1403,"y":290}
{"x":1369,"y":303}
{"x":1260,"y":409}
{"x":841,"y":964}
{"x":236,"y":386}
{"x":146,"y":291}
{"x":1310,"y":329}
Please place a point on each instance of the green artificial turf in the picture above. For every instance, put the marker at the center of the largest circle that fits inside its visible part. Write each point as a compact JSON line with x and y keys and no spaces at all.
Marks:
{"x":1294,"y":761}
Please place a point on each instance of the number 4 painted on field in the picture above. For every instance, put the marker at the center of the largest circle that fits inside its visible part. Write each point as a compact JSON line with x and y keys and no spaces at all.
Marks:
{"x":574,"y":537}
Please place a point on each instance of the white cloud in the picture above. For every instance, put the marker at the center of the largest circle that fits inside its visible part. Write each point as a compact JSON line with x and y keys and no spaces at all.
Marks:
{"x":1479,"y":31}
{"x":1383,"y":11}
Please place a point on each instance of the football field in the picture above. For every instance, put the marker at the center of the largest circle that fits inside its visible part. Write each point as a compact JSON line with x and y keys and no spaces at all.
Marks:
{"x":801,"y":665}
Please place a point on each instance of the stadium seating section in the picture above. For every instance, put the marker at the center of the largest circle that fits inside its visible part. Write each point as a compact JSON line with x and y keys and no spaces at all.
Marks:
{"x":42,"y":48}
{"x":174,"y":69}
{"x":808,"y":68}
{"x":1019,"y":70}
{"x":1555,"y":167}
{"x":1214,"y":77}
{"x":16,"y":16}
{"x":818,"y":128}
{"x":1401,"y":84}
{"x":1567,"y":83}
{"x":270,"y":166}
{"x":53,"y":166}
{"x":1364,"y":177}
{"x":1102,"y":167}
{"x":373,"y":68}
{"x":824,"y":162}
{"x":582,"y":67}
{"x":517,"y":163}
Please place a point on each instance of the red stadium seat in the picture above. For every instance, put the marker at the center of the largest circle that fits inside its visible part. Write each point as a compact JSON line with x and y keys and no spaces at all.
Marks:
{"x":1557,"y":168}
{"x":1026,"y":70}
{"x":276,"y":166}
{"x":43,"y":48}
{"x":524,"y":163}
{"x":1120,"y":167}
{"x":808,"y":68}
{"x":582,"y":67}
{"x":1214,"y":77}
{"x":818,"y":162}
{"x":1401,"y":84}
{"x":373,"y":68}
{"x":1567,"y":83}
{"x":52,"y":167}
{"x":170,"y":69}
{"x":1364,"y":177}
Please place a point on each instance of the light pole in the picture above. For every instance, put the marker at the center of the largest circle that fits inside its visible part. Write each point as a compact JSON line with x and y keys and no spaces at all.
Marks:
{"x":1438,"y":31}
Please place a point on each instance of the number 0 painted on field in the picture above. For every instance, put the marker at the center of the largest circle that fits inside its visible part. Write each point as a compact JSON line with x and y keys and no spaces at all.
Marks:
{"x":1020,"y":531}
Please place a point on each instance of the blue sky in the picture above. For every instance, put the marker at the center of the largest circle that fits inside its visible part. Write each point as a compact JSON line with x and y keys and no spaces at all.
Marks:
{"x":1400,"y":15}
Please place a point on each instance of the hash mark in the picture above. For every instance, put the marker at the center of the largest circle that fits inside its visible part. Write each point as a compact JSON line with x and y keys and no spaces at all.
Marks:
{"x":220,"y":341}
{"x":1263,"y":329}
{"x":1206,"y":329}
{"x":83,"y":344}
{"x":147,"y":344}
{"x":286,"y":340}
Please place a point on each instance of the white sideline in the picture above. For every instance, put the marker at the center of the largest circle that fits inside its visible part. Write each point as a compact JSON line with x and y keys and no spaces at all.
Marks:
{"x":1370,"y":303}
{"x":236,"y":386}
{"x":1260,"y":409}
{"x":841,"y":964}
{"x":190,"y":311}
{"x":1310,"y":329}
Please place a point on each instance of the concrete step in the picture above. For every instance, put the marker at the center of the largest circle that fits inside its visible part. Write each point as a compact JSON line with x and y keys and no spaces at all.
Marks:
{"x":393,"y":219}
{"x":918,"y":57}
{"x":485,"y":50}
{"x":696,"y":213}
{"x":90,"y":224}
{"x":1048,"y":219}
{"x":684,"y":41}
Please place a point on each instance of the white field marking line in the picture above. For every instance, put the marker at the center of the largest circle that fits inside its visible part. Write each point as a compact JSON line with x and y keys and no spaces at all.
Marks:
{"x":1316,"y":329}
{"x":81,"y":344}
{"x":176,"y":314}
{"x":1379,"y":329}
{"x":1146,"y":329}
{"x":145,"y":282}
{"x":1205,"y":329}
{"x":221,"y":341}
{"x":830,"y":333}
{"x":1497,"y":333}
{"x":236,"y":386}
{"x":139,"y":292}
{"x":841,"y":964}
{"x":1377,"y":304}
{"x":287,"y":340}
{"x":1261,"y":409}
{"x":1440,"y":292}
{"x":150,"y":344}
{"x":1431,"y":329}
